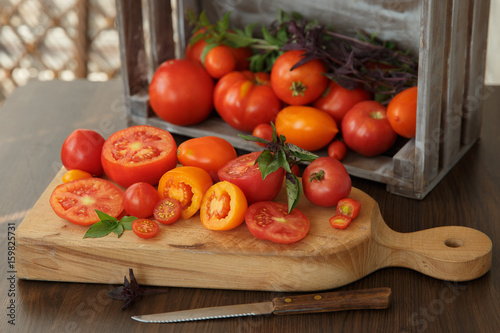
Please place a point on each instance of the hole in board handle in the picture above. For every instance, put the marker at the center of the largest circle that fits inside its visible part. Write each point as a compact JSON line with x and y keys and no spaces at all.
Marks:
{"x":453,"y":242}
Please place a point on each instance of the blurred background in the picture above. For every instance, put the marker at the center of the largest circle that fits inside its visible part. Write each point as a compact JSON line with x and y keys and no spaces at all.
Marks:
{"x":70,"y":39}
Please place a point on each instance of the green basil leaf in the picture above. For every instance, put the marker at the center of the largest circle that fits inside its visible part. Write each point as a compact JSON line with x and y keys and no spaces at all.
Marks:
{"x":207,"y":48}
{"x":282,"y":160}
{"x":126,"y":222}
{"x":97,"y":230}
{"x":268,"y":37}
{"x":293,"y":190}
{"x":253,"y":138}
{"x":301,"y":154}
{"x":105,"y":217}
{"x":271,"y":167}
{"x":264,"y":160}
{"x":118,"y":230}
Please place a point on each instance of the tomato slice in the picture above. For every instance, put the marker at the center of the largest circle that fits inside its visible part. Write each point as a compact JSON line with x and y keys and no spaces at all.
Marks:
{"x":187,"y":185}
{"x":270,"y":220}
{"x":138,"y":154}
{"x":340,"y":221}
{"x":145,"y":228}
{"x":348,"y":207}
{"x":223,"y":207}
{"x":77,"y":200}
{"x":167,"y":211}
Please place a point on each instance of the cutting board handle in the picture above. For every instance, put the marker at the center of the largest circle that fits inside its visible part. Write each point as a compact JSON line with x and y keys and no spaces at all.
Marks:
{"x":451,"y":253}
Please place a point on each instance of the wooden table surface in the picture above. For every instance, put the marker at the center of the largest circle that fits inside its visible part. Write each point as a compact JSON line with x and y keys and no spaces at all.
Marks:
{"x":37,"y":118}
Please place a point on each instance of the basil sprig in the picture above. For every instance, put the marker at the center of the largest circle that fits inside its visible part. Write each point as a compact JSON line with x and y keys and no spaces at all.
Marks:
{"x":108,"y":224}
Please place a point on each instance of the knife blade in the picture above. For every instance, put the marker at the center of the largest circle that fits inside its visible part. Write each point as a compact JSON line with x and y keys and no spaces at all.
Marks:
{"x":374,"y":298}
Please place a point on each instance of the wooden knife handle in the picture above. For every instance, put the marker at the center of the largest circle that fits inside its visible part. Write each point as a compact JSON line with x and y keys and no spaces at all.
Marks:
{"x":375,"y":298}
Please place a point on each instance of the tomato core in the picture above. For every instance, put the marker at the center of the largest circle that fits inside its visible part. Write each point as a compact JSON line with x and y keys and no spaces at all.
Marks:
{"x":377,"y":115}
{"x":219,"y":207}
{"x":298,"y":88}
{"x":181,"y":192}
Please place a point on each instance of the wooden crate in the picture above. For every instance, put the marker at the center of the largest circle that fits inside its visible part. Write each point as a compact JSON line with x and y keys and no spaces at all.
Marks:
{"x":449,"y":37}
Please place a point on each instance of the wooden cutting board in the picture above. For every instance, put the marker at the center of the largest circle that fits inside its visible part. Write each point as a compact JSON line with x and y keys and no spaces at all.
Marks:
{"x":185,"y":254}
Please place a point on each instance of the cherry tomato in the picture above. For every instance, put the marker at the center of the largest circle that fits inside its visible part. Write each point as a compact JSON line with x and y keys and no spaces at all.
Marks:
{"x":263,"y":131}
{"x":245,"y":100}
{"x":340,"y":221}
{"x":208,"y":152}
{"x":219,"y":61}
{"x":336,"y":100}
{"x":138,"y":153}
{"x":74,"y":175}
{"x":145,"y":228}
{"x":244,"y":173}
{"x":348,"y":207}
{"x":325,"y":181}
{"x":366,"y":130}
{"x":299,"y":86}
{"x":402,"y":112}
{"x":76,"y":201}
{"x":307,"y":127}
{"x":167,"y":211}
{"x":270,"y":220}
{"x":223,"y":206}
{"x":187,"y":185}
{"x":82,"y":150}
{"x":140,"y":200}
{"x":181,"y":92}
{"x":337,"y":149}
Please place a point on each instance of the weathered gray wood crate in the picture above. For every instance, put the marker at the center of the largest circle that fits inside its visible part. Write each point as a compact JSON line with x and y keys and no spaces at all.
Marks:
{"x":448,"y":36}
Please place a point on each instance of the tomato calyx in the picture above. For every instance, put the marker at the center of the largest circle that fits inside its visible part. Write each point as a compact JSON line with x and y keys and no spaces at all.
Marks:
{"x":377,"y":115}
{"x":317,"y":176}
{"x":298,"y":88}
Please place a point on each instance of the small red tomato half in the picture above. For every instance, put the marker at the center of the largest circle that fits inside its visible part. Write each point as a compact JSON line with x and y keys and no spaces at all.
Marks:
{"x":366,"y":129}
{"x":139,"y":153}
{"x":325,"y":181}
{"x":302,"y":85}
{"x":167,"y":211}
{"x":181,"y":92}
{"x":82,"y":150}
{"x":140,"y":200}
{"x":207,"y":152}
{"x":349,"y":207}
{"x":337,"y":100}
{"x":271,"y":221}
{"x":340,"y":221}
{"x":244,"y":173}
{"x":402,"y":112}
{"x":337,"y":149}
{"x":145,"y":228}
{"x":245,"y":100}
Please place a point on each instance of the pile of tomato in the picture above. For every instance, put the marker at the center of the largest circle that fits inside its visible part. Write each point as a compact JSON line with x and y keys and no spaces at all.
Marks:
{"x":140,"y":171}
{"x":310,"y":110}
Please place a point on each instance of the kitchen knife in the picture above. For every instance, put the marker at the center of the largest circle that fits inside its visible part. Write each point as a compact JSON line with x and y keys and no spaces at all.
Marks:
{"x":375,"y":298}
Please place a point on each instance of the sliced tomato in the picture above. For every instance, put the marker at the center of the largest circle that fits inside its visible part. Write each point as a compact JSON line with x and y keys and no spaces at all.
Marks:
{"x":145,"y":228}
{"x":348,"y":207}
{"x":77,"y":200}
{"x":270,"y":220}
{"x":340,"y":221}
{"x":223,"y":206}
{"x":167,"y":211}
{"x":186,"y":184}
{"x":138,"y":154}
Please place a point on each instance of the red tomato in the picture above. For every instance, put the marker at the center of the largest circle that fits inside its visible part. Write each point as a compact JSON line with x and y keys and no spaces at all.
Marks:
{"x":145,"y":228}
{"x":138,"y":154}
{"x":263,"y":131}
{"x":325,"y":181}
{"x":82,"y":150}
{"x":366,"y":130}
{"x":76,"y":201}
{"x":336,"y":100}
{"x":219,"y":61}
{"x":167,"y":211}
{"x":337,"y":149}
{"x":340,"y":221}
{"x":181,"y":92}
{"x":300,"y":86}
{"x":208,"y":152}
{"x":348,"y":207}
{"x":402,"y":112}
{"x":304,"y":126}
{"x":270,"y":220}
{"x":245,"y":100}
{"x":244,"y":173}
{"x":140,"y":200}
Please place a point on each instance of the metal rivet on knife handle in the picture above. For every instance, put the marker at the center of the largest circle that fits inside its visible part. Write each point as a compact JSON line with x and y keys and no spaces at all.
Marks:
{"x":375,"y":298}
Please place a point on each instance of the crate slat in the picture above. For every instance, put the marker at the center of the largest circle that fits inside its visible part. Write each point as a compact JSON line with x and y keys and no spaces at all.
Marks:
{"x":161,"y":31}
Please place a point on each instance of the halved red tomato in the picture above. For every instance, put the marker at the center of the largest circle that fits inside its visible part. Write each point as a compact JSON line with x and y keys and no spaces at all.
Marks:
{"x":244,"y":173}
{"x":270,"y":220}
{"x":145,"y":228}
{"x":77,"y":200}
{"x":138,"y":154}
{"x":167,"y":211}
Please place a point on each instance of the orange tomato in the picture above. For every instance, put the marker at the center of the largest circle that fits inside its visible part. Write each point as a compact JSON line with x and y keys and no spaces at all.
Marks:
{"x":187,"y":185}
{"x":402,"y":112}
{"x":208,"y":152}
{"x":307,"y":127}
{"x":74,"y":175}
{"x":223,"y":207}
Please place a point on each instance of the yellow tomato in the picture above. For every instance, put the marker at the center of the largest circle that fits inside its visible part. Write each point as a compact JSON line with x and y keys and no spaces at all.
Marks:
{"x":74,"y":175}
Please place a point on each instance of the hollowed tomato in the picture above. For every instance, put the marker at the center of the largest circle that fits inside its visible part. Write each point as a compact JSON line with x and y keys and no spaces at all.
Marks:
{"x":223,"y":206}
{"x":270,"y":220}
{"x":77,"y":200}
{"x":244,"y":173}
{"x":187,"y":185}
{"x":138,"y":154}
